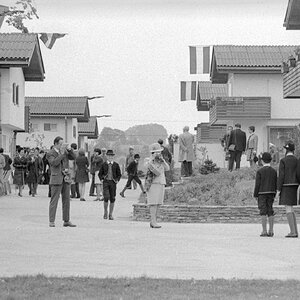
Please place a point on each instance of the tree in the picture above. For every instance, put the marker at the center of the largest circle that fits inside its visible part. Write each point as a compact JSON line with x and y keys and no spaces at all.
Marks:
{"x":22,"y":11}
{"x":146,"y":134}
{"x":112,"y":135}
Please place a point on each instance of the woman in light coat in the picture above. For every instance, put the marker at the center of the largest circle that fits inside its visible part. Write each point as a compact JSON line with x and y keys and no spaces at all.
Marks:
{"x":251,"y":146}
{"x":156,"y":166}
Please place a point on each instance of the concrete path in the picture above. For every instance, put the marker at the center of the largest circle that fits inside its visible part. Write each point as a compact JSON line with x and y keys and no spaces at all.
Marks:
{"x":103,"y":248}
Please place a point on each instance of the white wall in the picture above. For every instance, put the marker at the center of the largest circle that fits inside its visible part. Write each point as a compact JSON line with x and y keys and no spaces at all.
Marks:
{"x":12,"y":115}
{"x":266,"y":85}
{"x":215,"y":152}
{"x":47,"y":137}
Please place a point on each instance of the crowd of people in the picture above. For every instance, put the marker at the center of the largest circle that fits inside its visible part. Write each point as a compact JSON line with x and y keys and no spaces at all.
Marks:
{"x":67,"y":169}
{"x":268,"y":184}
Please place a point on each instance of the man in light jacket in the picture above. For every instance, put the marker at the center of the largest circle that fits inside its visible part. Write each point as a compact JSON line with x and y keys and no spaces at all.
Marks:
{"x":186,"y":152}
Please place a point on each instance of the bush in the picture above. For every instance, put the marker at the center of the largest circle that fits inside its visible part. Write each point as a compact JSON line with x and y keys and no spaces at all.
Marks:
{"x":222,"y":188}
{"x":208,"y":167}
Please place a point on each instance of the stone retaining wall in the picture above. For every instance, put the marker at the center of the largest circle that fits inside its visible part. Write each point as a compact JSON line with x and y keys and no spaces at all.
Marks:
{"x":208,"y":214}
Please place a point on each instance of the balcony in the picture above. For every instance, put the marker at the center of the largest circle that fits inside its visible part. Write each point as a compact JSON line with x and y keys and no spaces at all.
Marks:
{"x":210,"y":134}
{"x":229,"y":108}
{"x":291,"y":81}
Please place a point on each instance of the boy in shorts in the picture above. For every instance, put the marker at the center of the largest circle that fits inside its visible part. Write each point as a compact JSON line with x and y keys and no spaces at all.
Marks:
{"x":132,"y":175}
{"x":265,"y":191}
{"x":110,"y":174}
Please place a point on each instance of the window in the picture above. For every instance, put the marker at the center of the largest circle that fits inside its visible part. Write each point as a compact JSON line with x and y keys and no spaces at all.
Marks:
{"x":35,"y":127}
{"x":50,"y":127}
{"x":15,"y":94}
{"x":74,"y":132}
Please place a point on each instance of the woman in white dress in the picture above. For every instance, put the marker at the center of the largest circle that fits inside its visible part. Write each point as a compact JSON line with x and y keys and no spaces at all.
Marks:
{"x":156,"y":167}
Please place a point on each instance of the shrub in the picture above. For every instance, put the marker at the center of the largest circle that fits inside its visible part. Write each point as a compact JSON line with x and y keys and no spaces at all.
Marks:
{"x":222,"y":188}
{"x":208,"y":167}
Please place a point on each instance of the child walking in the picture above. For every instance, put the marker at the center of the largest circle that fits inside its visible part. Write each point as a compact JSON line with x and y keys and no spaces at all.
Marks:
{"x":110,"y":174}
{"x":132,"y":175}
{"x":265,"y":191}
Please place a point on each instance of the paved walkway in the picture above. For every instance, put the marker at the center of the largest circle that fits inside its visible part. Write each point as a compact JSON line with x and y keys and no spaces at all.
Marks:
{"x":103,"y":248}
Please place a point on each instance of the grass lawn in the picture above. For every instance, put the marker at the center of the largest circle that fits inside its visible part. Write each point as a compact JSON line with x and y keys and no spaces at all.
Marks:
{"x":41,"y":287}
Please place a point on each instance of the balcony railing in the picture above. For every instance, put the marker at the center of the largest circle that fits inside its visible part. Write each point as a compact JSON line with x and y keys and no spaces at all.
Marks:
{"x":210,"y":134}
{"x":291,"y":82}
{"x":228,"y":108}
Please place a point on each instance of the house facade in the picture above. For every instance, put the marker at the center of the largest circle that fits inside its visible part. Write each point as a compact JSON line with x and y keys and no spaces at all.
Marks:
{"x":20,"y":61}
{"x":54,"y":116}
{"x":87,"y":131}
{"x":254,"y":79}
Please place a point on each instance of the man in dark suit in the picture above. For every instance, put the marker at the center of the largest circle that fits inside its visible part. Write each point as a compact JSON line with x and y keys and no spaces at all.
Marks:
{"x":238,"y":139}
{"x":110,"y":173}
{"x":58,"y":158}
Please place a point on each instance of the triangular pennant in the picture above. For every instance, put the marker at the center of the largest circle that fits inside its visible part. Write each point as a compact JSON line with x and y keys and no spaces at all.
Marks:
{"x":49,"y":38}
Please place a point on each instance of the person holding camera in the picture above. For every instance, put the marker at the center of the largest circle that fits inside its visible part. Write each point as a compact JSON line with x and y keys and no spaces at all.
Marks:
{"x":60,"y":179}
{"x":156,"y":166}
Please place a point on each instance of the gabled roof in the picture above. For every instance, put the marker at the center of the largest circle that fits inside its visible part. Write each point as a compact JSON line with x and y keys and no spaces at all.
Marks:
{"x":75,"y":107}
{"x":89,"y":129}
{"x":247,"y":59}
{"x":292,"y":20}
{"x":208,"y":91}
{"x":22,"y":50}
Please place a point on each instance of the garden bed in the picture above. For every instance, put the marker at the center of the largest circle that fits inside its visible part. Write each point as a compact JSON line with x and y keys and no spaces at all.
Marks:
{"x":207,"y":214}
{"x":222,"y":197}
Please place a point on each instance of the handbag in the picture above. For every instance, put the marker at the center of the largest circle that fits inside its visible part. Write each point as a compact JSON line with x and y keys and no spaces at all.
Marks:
{"x":231,"y":147}
{"x":148,"y":180}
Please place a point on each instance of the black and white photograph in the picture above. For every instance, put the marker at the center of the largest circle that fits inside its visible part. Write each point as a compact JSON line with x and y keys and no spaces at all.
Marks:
{"x":149,"y":149}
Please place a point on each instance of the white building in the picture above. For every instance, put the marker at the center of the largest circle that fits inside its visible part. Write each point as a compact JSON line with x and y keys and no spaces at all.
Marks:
{"x":87,"y":131}
{"x":254,"y":79}
{"x":54,"y":116}
{"x":20,"y":61}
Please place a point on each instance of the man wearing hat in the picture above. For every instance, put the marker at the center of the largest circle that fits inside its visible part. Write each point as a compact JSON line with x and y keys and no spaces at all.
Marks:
{"x":110,"y":174}
{"x":265,"y":192}
{"x":288,"y":182}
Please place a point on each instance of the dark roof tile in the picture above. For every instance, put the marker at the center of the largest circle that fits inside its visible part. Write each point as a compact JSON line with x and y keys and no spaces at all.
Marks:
{"x":251,"y":56}
{"x":208,"y":91}
{"x":17,"y":46}
{"x":76,"y":106}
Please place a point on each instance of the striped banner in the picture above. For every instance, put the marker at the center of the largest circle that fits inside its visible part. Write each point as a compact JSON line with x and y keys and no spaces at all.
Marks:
{"x":188,"y":90}
{"x":200,"y":58}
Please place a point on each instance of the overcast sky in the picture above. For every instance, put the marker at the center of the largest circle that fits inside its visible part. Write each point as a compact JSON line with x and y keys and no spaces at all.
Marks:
{"x":135,"y":53}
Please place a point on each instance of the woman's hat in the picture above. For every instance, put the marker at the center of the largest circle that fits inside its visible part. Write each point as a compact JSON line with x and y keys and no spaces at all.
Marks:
{"x":289,"y":146}
{"x":110,"y":152}
{"x":155,"y":148}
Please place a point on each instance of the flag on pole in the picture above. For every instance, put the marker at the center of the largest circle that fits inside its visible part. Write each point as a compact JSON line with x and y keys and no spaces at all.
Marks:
{"x":49,"y":38}
{"x":3,"y":10}
{"x":188,"y":90}
{"x":200,"y":58}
